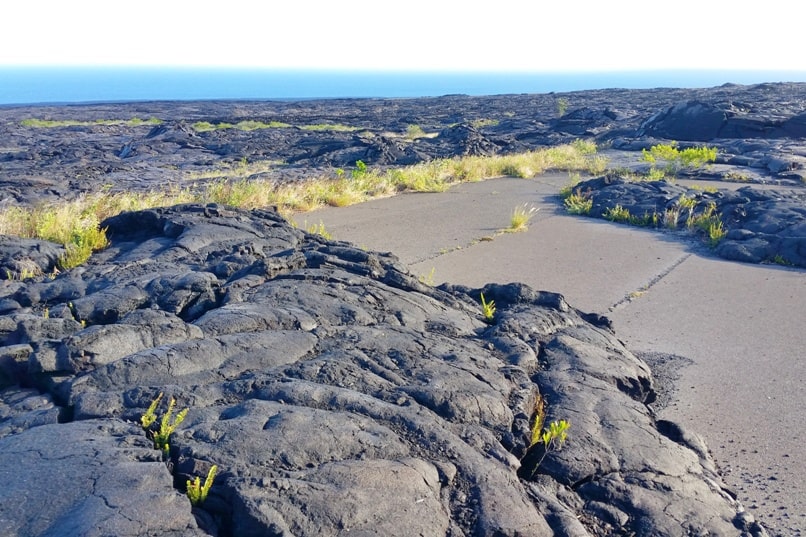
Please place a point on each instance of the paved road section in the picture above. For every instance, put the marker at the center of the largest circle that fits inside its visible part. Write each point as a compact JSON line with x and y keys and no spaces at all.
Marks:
{"x":740,"y":328}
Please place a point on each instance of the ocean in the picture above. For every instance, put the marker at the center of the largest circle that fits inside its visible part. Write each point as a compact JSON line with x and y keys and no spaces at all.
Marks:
{"x":35,"y":85}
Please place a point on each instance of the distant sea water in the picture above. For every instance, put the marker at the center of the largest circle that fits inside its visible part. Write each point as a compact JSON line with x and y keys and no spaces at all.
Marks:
{"x":34,"y":85}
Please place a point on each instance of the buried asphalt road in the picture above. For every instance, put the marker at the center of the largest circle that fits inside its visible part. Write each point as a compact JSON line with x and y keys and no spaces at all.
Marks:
{"x":739,"y":328}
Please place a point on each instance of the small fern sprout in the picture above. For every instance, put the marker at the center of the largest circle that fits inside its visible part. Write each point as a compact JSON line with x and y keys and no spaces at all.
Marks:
{"x":487,"y":309}
{"x":555,"y":436}
{"x":167,"y":427}
{"x":150,"y":416}
{"x":196,"y":491}
{"x":552,"y":438}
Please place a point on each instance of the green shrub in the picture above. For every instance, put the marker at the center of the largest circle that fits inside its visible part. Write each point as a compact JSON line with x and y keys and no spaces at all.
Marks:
{"x":562,"y":106}
{"x":675,"y":159}
{"x":578,"y":204}
{"x":617,"y":214}
{"x":360,"y":169}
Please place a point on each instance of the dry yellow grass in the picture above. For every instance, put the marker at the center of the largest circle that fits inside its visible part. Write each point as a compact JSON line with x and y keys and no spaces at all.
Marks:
{"x":75,"y":223}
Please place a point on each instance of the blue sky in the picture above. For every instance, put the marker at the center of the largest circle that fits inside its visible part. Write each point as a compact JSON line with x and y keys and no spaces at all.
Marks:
{"x":502,"y":35}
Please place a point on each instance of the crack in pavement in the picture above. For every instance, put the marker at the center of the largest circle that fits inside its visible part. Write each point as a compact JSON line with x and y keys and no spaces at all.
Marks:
{"x":628,"y":298}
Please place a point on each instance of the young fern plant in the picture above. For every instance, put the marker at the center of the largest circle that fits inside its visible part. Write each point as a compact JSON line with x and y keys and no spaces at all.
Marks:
{"x":552,"y":438}
{"x":168,"y":424}
{"x":150,"y":416}
{"x":196,"y":491}
{"x":487,"y":309}
{"x":167,"y":427}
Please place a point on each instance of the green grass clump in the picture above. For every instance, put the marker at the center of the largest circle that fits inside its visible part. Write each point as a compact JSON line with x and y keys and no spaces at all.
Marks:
{"x":69,"y":224}
{"x":617,"y":214}
{"x":318,"y":229}
{"x":206,"y":126}
{"x":428,"y":279}
{"x":578,"y":204}
{"x":781,"y":260}
{"x":250,"y":125}
{"x":519,"y":220}
{"x":710,"y":223}
{"x":716,"y":232}
{"x":433,"y":176}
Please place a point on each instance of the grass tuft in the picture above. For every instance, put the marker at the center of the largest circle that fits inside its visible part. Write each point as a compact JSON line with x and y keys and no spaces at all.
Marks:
{"x":519,"y":221}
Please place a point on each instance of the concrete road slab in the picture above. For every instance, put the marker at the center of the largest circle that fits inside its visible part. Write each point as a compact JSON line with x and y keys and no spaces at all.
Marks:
{"x":742,"y":326}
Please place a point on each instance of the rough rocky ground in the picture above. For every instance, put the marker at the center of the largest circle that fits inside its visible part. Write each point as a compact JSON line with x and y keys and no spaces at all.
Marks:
{"x":761,"y":226}
{"x":760,"y":129}
{"x":334,"y":391}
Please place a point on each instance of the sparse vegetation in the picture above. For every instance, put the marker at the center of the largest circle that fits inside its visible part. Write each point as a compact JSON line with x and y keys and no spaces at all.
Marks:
{"x":76,"y":223}
{"x":552,"y":438}
{"x":428,"y":279}
{"x":616,"y":214}
{"x":318,"y":229}
{"x":415,"y":131}
{"x":246,"y":125}
{"x":736,"y":177}
{"x":168,"y":424}
{"x":329,"y":127}
{"x":70,"y":224}
{"x":578,"y":203}
{"x":487,"y":309}
{"x":360,"y":170}
{"x":675,"y":159}
{"x":23,"y":274}
{"x":716,"y":232}
{"x":196,"y":491}
{"x":707,"y":221}
{"x":521,"y":215}
{"x":53,"y":123}
{"x":781,"y":260}
{"x":484,"y":122}
{"x":562,"y":106}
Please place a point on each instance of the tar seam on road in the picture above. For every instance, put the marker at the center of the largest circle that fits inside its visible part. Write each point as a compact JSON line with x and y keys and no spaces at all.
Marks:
{"x":644,"y":288}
